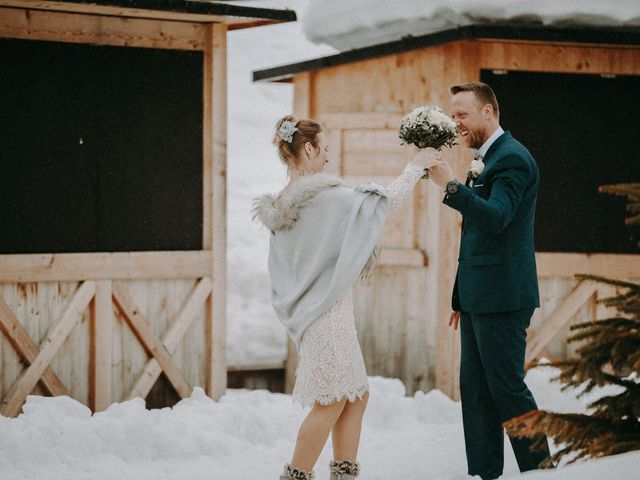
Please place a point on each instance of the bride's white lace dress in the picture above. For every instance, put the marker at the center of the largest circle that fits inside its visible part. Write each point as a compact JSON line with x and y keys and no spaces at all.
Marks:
{"x":330,"y":363}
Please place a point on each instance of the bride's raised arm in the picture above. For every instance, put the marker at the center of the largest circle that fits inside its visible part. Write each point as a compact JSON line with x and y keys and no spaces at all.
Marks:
{"x":401,"y":187}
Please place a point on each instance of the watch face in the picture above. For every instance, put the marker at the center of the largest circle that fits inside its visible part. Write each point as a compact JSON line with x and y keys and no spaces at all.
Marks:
{"x":452,"y":187}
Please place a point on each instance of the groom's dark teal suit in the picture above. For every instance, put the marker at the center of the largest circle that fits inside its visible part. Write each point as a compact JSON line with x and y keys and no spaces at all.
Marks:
{"x":496,"y":291}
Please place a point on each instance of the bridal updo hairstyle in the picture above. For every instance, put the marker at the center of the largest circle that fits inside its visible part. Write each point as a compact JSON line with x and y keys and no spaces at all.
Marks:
{"x":307,"y":131}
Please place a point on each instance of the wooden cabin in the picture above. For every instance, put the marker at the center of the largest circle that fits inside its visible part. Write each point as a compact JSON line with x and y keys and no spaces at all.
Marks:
{"x":571,"y":95}
{"x":113,"y":212}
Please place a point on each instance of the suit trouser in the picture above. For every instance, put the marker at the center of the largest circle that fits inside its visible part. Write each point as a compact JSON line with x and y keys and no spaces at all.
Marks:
{"x":492,"y":389}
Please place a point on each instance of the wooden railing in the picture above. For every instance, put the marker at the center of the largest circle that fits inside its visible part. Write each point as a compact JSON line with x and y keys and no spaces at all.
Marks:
{"x":102,"y":288}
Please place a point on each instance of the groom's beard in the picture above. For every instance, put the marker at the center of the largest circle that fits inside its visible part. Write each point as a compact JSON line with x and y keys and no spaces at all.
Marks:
{"x":475,"y":139}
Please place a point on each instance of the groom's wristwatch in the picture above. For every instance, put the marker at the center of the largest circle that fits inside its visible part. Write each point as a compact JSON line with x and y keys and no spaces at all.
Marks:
{"x":452,"y":187}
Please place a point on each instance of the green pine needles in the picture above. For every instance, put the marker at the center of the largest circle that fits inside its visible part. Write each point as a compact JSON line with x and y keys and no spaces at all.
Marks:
{"x":608,"y":355}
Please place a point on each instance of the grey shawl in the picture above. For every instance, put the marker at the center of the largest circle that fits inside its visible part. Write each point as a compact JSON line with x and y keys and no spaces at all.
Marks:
{"x":323,"y":235}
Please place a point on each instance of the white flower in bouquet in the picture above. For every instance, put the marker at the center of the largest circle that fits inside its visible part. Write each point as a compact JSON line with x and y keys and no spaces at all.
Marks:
{"x":428,"y":127}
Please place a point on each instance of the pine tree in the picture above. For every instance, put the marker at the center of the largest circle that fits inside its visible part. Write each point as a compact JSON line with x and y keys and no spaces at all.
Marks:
{"x":609,"y":354}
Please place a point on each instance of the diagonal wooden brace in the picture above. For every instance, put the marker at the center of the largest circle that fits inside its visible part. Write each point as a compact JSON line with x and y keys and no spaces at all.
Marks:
{"x":11,"y":404}
{"x":172,"y":338}
{"x":559,"y":318}
{"x":25,"y":348}
{"x":147,"y":338}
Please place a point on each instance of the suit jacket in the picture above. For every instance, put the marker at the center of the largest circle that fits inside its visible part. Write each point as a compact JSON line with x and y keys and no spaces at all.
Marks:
{"x":496,"y":264}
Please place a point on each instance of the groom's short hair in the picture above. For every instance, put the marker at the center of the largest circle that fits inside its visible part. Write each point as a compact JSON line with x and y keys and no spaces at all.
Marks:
{"x":482,"y":91}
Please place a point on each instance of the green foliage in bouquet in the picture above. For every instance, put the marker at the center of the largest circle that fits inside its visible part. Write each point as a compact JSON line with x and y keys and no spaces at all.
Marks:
{"x":609,"y":355}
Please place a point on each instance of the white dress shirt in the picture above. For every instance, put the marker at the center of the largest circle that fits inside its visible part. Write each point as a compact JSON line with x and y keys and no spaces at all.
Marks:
{"x":482,"y":151}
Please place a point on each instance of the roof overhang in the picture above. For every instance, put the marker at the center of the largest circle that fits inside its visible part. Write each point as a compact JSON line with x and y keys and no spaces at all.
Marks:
{"x":515,"y":32}
{"x":205,"y":11}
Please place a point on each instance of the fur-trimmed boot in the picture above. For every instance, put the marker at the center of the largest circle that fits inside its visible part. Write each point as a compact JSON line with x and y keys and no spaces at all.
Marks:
{"x":293,"y":473}
{"x":344,"y":470}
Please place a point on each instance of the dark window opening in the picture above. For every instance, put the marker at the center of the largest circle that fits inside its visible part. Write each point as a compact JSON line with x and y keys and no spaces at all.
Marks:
{"x":100,"y":148}
{"x":583,"y":131}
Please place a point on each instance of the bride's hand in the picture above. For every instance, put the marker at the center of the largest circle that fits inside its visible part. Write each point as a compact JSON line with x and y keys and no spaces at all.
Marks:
{"x":426,"y":158}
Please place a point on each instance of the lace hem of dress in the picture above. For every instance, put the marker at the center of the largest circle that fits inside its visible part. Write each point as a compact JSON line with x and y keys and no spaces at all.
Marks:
{"x":328,"y":399}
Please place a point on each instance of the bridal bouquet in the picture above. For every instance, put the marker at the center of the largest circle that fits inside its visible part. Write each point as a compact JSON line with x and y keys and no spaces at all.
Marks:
{"x":428,"y":126}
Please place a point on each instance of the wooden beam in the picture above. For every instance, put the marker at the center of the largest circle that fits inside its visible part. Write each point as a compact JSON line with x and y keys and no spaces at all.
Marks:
{"x":253,"y":367}
{"x":567,"y":265}
{"x":27,"y":350}
{"x":49,"y":267}
{"x":559,"y":57}
{"x":561,"y":316}
{"x":215,"y":221}
{"x":11,"y":404}
{"x":100,"y":347}
{"x":85,"y":28}
{"x":457,"y":64}
{"x":172,"y":338}
{"x":302,"y":97}
{"x":205,"y":12}
{"x":154,"y":347}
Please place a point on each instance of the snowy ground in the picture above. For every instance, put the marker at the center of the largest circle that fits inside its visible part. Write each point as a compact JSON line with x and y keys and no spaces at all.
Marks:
{"x":249,"y":435}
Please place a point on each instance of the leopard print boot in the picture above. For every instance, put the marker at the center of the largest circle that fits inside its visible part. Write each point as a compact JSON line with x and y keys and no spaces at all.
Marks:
{"x":344,"y":470}
{"x":293,"y":473}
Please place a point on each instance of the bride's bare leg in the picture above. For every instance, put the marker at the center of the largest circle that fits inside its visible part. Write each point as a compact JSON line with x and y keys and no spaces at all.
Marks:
{"x":345,"y":435}
{"x":314,"y":432}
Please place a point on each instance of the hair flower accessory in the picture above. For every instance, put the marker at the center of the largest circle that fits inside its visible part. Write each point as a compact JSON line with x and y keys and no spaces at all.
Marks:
{"x":286,"y":131}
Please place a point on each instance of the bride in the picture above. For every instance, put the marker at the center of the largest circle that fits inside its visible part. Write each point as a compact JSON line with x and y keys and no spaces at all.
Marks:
{"x":323,"y":236}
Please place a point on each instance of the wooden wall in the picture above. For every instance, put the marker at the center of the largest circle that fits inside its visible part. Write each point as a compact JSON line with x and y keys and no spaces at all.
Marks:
{"x":104,"y":326}
{"x":39,"y":305}
{"x":402,"y":313}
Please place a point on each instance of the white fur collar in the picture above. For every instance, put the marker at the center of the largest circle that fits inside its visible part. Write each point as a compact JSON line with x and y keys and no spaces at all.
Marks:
{"x":281,"y":212}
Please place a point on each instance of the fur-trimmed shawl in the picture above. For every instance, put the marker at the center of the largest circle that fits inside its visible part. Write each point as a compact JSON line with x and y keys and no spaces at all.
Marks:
{"x":323,"y":236}
{"x":277,"y":213}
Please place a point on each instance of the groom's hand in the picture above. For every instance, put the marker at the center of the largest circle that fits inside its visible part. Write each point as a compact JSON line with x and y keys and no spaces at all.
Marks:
{"x":454,"y":320}
{"x":441,"y":173}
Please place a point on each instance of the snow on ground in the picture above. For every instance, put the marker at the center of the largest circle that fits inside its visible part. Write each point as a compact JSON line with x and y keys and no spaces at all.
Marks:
{"x":254,"y":334}
{"x":249,"y":435}
{"x":357,"y":23}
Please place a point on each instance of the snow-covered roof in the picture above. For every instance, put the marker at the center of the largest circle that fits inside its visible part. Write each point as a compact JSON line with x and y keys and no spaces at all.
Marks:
{"x":351,"y":24}
{"x":609,"y":35}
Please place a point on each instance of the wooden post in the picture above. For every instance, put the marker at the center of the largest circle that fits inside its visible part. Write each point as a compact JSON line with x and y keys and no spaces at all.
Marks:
{"x":215,"y":202}
{"x":462,"y":69}
{"x":100,"y":347}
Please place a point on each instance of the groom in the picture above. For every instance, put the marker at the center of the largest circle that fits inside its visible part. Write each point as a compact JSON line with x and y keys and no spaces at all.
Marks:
{"x":496,"y":288}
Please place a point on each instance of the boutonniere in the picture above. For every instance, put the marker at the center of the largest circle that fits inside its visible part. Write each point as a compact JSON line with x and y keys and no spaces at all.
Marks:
{"x":476,"y":168}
